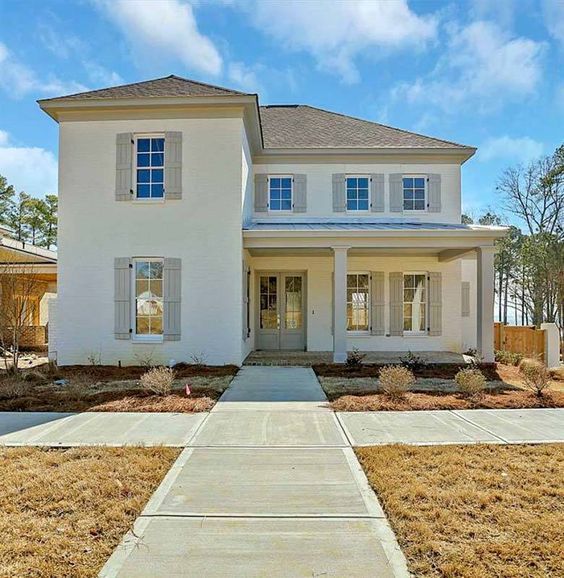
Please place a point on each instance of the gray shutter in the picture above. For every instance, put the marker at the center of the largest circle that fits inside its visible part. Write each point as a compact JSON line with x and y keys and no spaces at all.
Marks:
{"x":339,"y":201}
{"x":124,"y":166}
{"x":377,"y":300}
{"x":172,"y":292}
{"x":434,"y":190}
{"x":377,"y":202}
{"x":300,"y":193}
{"x":122,"y":298}
{"x":173,"y":165}
{"x":435,"y":304}
{"x":396,"y":193}
{"x":396,"y":304}
{"x":465,"y":309}
{"x":261,"y":193}
{"x":245,"y":301}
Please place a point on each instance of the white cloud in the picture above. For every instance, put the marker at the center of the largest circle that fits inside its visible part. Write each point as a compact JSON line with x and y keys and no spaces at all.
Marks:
{"x":337,"y":33}
{"x":29,"y":169}
{"x":481,"y":66}
{"x":521,"y":149}
{"x":164,"y":29}
{"x":60,"y":42}
{"x":99,"y":75}
{"x":244,"y":77}
{"x":553,"y":11}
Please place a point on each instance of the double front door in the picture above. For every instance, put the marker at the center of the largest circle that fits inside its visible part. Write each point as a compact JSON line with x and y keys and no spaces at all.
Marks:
{"x":281,"y":311}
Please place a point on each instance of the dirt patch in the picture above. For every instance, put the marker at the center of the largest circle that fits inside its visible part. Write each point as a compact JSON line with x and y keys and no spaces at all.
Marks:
{"x":62,"y":512}
{"x":428,"y":401}
{"x":473,"y":511}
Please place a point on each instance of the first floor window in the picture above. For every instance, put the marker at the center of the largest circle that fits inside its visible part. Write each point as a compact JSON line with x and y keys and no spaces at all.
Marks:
{"x":414,"y":193}
{"x":358,"y":301}
{"x":357,"y":193}
{"x":414,"y":302}
{"x":280,"y":193}
{"x":149,"y":162}
{"x":148,"y":289}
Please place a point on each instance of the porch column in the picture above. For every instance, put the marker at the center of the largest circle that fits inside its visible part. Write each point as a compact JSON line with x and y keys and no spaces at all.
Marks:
{"x":340,"y":304}
{"x":485,"y":309}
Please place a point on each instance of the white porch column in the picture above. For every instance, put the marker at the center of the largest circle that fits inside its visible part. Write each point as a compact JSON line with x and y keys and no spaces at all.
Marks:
{"x":340,"y":304}
{"x":485,"y":309}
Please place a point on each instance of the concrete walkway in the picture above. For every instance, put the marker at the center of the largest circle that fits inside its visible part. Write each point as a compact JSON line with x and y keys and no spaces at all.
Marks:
{"x":269,"y":487}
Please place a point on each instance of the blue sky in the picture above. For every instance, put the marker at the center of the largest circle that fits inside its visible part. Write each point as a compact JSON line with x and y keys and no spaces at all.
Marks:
{"x":488,"y":73}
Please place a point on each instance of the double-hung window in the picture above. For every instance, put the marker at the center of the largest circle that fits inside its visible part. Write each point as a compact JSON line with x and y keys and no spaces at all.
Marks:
{"x":358,"y":301}
{"x":415,"y":303}
{"x":149,"y":166}
{"x":357,"y":193}
{"x":280,"y":193}
{"x":148,"y":298}
{"x":414,"y":193}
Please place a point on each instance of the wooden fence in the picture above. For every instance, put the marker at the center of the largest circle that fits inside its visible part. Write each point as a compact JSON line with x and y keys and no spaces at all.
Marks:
{"x":528,"y":341}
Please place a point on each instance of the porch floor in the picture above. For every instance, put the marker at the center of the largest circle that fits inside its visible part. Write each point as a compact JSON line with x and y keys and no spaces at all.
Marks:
{"x":307,"y":358}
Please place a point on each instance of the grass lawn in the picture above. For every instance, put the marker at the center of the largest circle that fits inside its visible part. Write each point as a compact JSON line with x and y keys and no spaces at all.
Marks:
{"x":473,"y":511}
{"x":62,"y":512}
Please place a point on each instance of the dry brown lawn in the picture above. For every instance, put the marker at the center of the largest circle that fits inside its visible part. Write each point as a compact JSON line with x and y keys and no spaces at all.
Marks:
{"x":62,"y":512}
{"x":473,"y":511}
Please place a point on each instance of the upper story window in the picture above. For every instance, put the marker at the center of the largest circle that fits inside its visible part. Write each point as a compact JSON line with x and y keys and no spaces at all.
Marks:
{"x":414,"y":302}
{"x":280,"y":193}
{"x":149,"y":166}
{"x":148,"y":298}
{"x":414,"y":193}
{"x":358,"y":300}
{"x":357,"y":193}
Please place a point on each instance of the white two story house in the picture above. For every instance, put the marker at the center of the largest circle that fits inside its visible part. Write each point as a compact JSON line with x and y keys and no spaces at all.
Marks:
{"x":195,"y":222}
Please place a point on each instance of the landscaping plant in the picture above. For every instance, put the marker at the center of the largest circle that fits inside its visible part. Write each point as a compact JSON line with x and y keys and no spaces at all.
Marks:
{"x":354,"y":359}
{"x":470,"y":382}
{"x":536,"y":376}
{"x":395,"y":380}
{"x":158,"y":380}
{"x":412,"y":361}
{"x":508,"y":357}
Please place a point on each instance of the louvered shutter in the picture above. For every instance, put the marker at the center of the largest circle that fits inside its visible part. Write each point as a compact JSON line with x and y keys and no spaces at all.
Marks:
{"x":300,"y":193}
{"x":465,"y":299}
{"x":124,"y":166}
{"x":172,"y":293}
{"x":261,"y":193}
{"x":396,"y":193}
{"x":435,"y":304}
{"x":339,"y":200}
{"x":377,"y":304}
{"x":122,"y":298}
{"x":173,"y":165}
{"x":434,"y":190}
{"x":377,"y":202}
{"x":396,"y":304}
{"x":245,"y":301}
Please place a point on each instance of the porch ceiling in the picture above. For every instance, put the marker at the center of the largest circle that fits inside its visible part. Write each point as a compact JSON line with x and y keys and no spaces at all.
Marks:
{"x":353,"y":252}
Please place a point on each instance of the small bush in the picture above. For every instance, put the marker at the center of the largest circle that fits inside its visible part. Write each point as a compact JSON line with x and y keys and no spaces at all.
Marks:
{"x":470,"y":382}
{"x":536,"y":376}
{"x":412,"y":361}
{"x":354,"y":359}
{"x":158,"y":380}
{"x":395,"y":380}
{"x":508,"y":357}
{"x":34,"y":377}
{"x":146,"y":359}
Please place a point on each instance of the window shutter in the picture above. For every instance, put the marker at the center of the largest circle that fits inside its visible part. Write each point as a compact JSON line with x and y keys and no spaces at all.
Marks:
{"x":435,"y":304}
{"x":122,"y":298}
{"x":124,"y":166}
{"x":261,"y":193}
{"x":172,"y":275}
{"x":465,"y":299}
{"x":396,"y":304}
{"x":300,"y":193}
{"x":377,"y":193}
{"x":339,"y":201}
{"x":396,"y":193}
{"x":332,"y":303}
{"x":434,"y":190}
{"x":245,"y":301}
{"x":173,"y":165}
{"x":377,"y":300}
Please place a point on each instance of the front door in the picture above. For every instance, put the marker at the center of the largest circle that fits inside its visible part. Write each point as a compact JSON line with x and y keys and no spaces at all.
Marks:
{"x":281,"y":319}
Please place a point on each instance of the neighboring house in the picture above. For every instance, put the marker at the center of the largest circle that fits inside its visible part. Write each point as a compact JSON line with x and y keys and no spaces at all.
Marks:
{"x":193,"y":221}
{"x":28,"y":274}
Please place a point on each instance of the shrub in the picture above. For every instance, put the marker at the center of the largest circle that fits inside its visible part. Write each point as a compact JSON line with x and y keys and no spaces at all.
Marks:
{"x":536,"y":376}
{"x":158,"y":380}
{"x":470,"y":382}
{"x":508,"y":357}
{"x":34,"y":377}
{"x":354,"y":359}
{"x":412,"y":361}
{"x":395,"y":380}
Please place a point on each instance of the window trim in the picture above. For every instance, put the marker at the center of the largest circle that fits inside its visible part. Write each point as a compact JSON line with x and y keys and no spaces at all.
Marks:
{"x":141,"y":337}
{"x":281,"y":211}
{"x":425,"y":332}
{"x":357,"y":211}
{"x":426,"y":188}
{"x":136,"y":137}
{"x":362,"y":332}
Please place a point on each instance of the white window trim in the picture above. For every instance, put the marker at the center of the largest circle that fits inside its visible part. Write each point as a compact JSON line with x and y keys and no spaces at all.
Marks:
{"x":424,"y":333}
{"x":357,"y":211}
{"x":362,"y":332}
{"x":425,"y":200}
{"x":141,"y":200}
{"x":291,"y":209}
{"x":136,"y":337}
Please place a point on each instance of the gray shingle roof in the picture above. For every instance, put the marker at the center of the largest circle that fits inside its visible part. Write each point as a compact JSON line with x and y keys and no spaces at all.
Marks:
{"x":160,"y":87}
